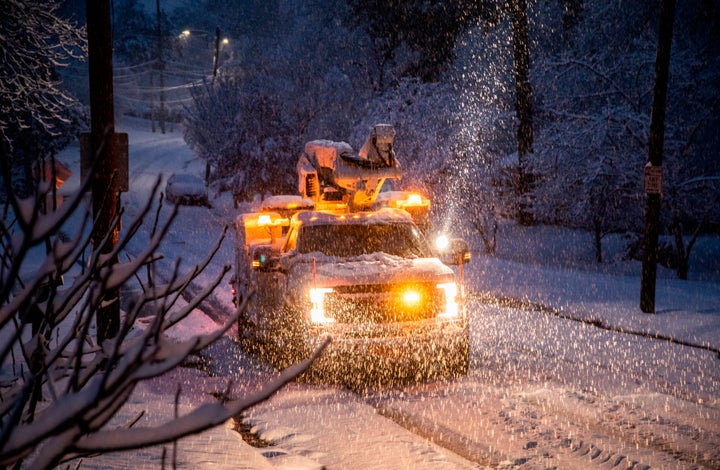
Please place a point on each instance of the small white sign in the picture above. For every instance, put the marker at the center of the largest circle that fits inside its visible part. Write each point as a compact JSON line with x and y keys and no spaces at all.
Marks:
{"x":653,"y":179}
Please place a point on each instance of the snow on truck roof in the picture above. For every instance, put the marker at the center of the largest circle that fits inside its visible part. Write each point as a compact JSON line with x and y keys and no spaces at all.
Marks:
{"x":382,"y":216}
{"x":293,"y":202}
{"x":401,"y":199}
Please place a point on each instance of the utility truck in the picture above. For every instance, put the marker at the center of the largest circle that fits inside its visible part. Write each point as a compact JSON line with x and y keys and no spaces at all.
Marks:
{"x":345,"y":259}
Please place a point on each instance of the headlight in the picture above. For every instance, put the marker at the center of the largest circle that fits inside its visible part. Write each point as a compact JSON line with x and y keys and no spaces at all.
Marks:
{"x":451,"y":302}
{"x":317,"y":310}
{"x":411,"y":298}
{"x":442,"y":242}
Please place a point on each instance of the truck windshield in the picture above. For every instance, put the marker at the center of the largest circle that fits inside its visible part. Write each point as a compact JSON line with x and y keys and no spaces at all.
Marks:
{"x":347,"y":240}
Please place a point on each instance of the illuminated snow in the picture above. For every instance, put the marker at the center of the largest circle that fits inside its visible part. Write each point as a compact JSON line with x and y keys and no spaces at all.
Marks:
{"x":313,"y":425}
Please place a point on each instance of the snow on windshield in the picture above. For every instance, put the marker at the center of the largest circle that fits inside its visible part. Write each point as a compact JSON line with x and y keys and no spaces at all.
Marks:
{"x":349,"y":240}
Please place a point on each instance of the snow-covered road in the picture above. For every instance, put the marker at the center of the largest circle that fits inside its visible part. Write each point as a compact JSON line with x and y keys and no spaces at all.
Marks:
{"x":543,"y":391}
{"x":593,"y":399}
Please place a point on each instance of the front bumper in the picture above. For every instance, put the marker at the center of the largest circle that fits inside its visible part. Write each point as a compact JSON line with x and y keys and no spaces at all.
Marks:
{"x":390,"y":353}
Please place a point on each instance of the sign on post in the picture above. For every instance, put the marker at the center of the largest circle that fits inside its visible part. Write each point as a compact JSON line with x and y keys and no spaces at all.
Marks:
{"x":653,"y":179}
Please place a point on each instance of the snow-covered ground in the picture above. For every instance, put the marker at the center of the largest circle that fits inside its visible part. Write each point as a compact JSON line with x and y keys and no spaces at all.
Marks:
{"x":565,"y":369}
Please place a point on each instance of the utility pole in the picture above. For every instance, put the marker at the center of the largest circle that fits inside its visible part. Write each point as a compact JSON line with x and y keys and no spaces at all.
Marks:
{"x":161,"y":67}
{"x":103,"y":151}
{"x":216,"y":60}
{"x":653,"y":169}
{"x":216,"y":55}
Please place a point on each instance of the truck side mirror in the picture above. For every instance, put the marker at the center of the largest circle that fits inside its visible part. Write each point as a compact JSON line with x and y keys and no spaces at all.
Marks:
{"x":263,"y":259}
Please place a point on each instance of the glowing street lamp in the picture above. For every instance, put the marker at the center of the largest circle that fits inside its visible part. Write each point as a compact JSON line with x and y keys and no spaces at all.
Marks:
{"x":184,"y":35}
{"x":187,"y":33}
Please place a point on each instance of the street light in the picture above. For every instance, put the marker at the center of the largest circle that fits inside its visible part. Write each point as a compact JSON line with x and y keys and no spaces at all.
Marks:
{"x":187,"y":33}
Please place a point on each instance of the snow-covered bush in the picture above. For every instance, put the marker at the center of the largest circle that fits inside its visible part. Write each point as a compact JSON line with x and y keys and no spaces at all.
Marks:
{"x":59,"y":388}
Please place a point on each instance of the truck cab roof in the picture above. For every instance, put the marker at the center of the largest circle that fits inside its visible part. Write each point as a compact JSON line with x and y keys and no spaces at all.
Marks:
{"x":388,"y":230}
{"x":382,"y":216}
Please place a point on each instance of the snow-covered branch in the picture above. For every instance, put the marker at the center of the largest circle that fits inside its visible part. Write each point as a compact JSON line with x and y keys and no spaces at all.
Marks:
{"x":62,"y":388}
{"x":204,"y":417}
{"x":35,"y":41}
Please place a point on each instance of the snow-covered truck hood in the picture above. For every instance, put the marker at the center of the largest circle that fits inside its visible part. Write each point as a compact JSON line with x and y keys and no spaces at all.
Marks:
{"x":377,"y":268}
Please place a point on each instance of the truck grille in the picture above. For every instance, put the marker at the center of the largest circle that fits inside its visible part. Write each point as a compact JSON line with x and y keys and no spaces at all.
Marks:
{"x":384,"y":303}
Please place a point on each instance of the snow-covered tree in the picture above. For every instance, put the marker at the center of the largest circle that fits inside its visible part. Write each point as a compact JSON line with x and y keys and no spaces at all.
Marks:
{"x":245,"y":131}
{"x":252,"y":121}
{"x":593,"y":101}
{"x":485,"y":132}
{"x":592,"y":144}
{"x":415,"y":39}
{"x":36,"y":113}
{"x":480,"y":180}
{"x":35,"y":40}
{"x":60,"y":388}
{"x":691,"y":188}
{"x":134,"y":33}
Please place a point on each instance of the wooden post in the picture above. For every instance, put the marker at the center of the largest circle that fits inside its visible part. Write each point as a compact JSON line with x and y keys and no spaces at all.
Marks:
{"x":105,"y":199}
{"x":655,"y":154}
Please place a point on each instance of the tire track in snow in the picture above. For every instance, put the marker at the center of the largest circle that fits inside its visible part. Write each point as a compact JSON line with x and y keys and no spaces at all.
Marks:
{"x":443,"y":436}
{"x":556,"y":426}
{"x":531,"y":404}
{"x":506,"y":427}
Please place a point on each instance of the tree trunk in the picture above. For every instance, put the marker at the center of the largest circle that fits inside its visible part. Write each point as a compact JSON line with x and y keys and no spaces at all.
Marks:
{"x":523,"y":106}
{"x":489,"y":239}
{"x":683,"y":251}
{"x":597,"y":225}
{"x":682,"y":255}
